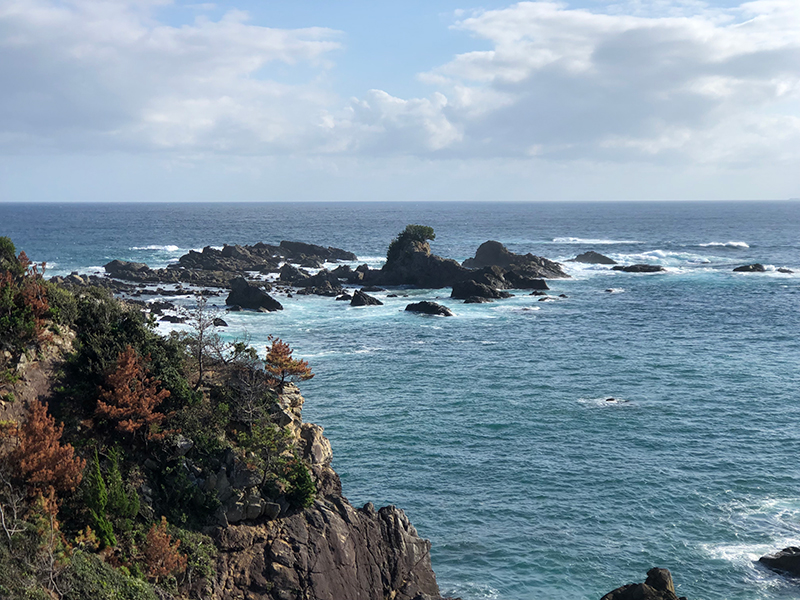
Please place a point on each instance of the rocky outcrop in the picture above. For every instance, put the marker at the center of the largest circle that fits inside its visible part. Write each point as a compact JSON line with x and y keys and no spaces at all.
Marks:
{"x":247,"y":295}
{"x":787,"y":561}
{"x":430,"y":308}
{"x":413,"y":264}
{"x":300,"y":251}
{"x":362,"y":299}
{"x":639,"y":268}
{"x":470,"y":288}
{"x":593,"y":258}
{"x":754,"y":268}
{"x":657,"y":586}
{"x":493,"y":253}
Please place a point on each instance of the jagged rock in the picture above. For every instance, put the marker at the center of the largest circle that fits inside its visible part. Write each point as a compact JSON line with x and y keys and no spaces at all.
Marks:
{"x":466,"y":289}
{"x":593,"y":258}
{"x":316,"y":447}
{"x":362,"y":299}
{"x":300,"y":249}
{"x":518,"y":280}
{"x":429,"y":308}
{"x":291,"y":274}
{"x":219,"y":322}
{"x":413,"y":264}
{"x":657,"y":586}
{"x":639,"y":268}
{"x":251,"y":296}
{"x":787,"y":561}
{"x":494,"y":253}
{"x":344,"y":297}
{"x":272,"y":510}
{"x":183,"y":445}
{"x":754,"y":268}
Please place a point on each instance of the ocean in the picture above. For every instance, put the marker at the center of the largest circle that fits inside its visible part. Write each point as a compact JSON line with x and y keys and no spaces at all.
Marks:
{"x":492,"y":429}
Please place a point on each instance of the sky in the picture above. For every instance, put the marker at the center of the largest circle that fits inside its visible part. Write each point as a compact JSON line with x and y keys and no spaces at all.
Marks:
{"x":256,"y":100}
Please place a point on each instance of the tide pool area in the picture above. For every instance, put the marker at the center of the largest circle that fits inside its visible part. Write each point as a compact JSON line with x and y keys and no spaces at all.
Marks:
{"x":492,"y":429}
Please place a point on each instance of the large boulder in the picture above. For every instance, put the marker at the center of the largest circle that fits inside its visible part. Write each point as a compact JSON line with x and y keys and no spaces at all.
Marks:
{"x":494,"y":253}
{"x":639,"y":268}
{"x":470,"y":288}
{"x":245,"y":294}
{"x":362,"y":299}
{"x":123,"y":267}
{"x":754,"y":268}
{"x":657,"y":586}
{"x":430,"y":308}
{"x":593,"y":258}
{"x":787,"y":561}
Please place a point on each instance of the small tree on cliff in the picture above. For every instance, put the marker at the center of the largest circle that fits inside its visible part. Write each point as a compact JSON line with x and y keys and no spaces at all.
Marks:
{"x":130,"y":397}
{"x":40,"y":460}
{"x":280,"y":365}
{"x":412,"y":233}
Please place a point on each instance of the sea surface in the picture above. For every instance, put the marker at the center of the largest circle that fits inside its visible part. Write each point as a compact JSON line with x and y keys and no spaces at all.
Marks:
{"x":492,"y":429}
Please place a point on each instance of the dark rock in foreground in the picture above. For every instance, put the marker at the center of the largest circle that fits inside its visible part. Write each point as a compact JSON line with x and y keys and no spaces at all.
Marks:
{"x":247,"y":295}
{"x":787,"y":561}
{"x":430,"y":308}
{"x":362,"y":299}
{"x":754,"y":268}
{"x":640,"y":268}
{"x":593,"y":258}
{"x":470,"y":288}
{"x":493,"y":253}
{"x":477,"y":300}
{"x":657,"y":586}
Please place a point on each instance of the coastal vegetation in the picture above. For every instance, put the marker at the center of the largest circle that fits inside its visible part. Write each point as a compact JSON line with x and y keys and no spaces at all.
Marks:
{"x":105,"y":486}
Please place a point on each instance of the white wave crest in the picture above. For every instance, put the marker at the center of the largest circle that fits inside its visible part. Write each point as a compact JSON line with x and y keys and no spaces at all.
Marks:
{"x":165,"y":248}
{"x":725,"y":245}
{"x":575,"y":240}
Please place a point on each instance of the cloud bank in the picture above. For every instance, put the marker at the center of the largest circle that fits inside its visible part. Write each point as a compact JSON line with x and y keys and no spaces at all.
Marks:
{"x":718,"y":87}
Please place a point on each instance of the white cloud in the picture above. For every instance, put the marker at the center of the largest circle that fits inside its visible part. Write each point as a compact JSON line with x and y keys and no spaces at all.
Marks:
{"x":716,"y":85}
{"x":94,"y":75}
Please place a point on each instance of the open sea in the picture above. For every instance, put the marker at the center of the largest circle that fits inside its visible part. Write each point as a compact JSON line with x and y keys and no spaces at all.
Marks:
{"x":491,"y":428}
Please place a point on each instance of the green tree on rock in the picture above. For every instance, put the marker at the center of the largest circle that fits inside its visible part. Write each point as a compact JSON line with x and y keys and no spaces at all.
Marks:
{"x":412,"y":233}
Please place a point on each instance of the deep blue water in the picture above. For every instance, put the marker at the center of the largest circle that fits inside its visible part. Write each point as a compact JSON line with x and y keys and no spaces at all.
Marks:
{"x":490,"y":429}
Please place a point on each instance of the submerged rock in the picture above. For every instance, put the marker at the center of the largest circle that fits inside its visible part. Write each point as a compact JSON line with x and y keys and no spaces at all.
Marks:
{"x":639,"y":268}
{"x":593,"y":258}
{"x":657,"y":586}
{"x":429,"y":308}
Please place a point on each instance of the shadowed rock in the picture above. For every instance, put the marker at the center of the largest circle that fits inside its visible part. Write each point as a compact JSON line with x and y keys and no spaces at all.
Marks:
{"x":362,"y":299}
{"x":467,"y":289}
{"x":639,"y":268}
{"x":494,"y":253}
{"x":754,"y":268}
{"x":657,"y":586}
{"x":247,"y":295}
{"x":787,"y":561}
{"x":430,"y":308}
{"x":593,"y":258}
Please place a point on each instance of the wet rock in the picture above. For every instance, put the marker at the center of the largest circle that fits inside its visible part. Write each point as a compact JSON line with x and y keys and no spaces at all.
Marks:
{"x":784,"y":270}
{"x":247,"y":295}
{"x":593,"y":258}
{"x":494,"y":253}
{"x":787,"y":561}
{"x":754,"y":268}
{"x":466,"y":289}
{"x":657,"y":586}
{"x":430,"y":308}
{"x":362,"y":299}
{"x":344,"y":297}
{"x":639,"y":268}
{"x":218,"y":322}
{"x":477,"y":300}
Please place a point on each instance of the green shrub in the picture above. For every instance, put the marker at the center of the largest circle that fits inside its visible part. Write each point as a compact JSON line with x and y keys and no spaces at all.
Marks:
{"x":201,"y":553}
{"x":88,"y":577}
{"x":302,"y":490}
{"x":412,"y":233}
{"x":63,"y":304}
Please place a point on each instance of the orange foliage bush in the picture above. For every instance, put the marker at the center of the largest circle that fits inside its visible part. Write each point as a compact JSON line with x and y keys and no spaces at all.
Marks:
{"x":40,"y":459}
{"x":131,"y":397}
{"x":280,"y":365}
{"x":161,"y":555}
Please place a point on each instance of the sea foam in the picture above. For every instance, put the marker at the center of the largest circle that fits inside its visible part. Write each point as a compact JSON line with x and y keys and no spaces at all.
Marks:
{"x":576,"y":240}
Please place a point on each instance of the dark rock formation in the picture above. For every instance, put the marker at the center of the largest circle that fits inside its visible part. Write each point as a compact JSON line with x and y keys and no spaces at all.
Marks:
{"x":219,"y":322}
{"x":477,"y":300}
{"x":493,"y":253}
{"x":362,"y":299}
{"x":787,"y":561}
{"x":291,"y":274}
{"x":247,"y":295}
{"x":413,"y":264}
{"x":466,"y":289}
{"x":784,"y":270}
{"x":300,"y":250}
{"x":657,"y":586}
{"x":639,"y":268}
{"x":430,"y":308}
{"x":754,"y":268}
{"x":593,"y":258}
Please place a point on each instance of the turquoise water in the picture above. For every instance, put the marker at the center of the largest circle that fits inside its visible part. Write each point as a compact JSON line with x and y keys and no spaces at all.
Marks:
{"x":491,"y":429}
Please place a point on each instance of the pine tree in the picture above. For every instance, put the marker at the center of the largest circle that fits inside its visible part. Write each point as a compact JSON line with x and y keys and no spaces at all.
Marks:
{"x":41,"y":460}
{"x":131,"y":397}
{"x":280,"y":365}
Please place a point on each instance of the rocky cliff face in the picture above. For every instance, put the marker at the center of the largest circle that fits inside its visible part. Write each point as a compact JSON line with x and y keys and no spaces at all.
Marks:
{"x":329,"y":551}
